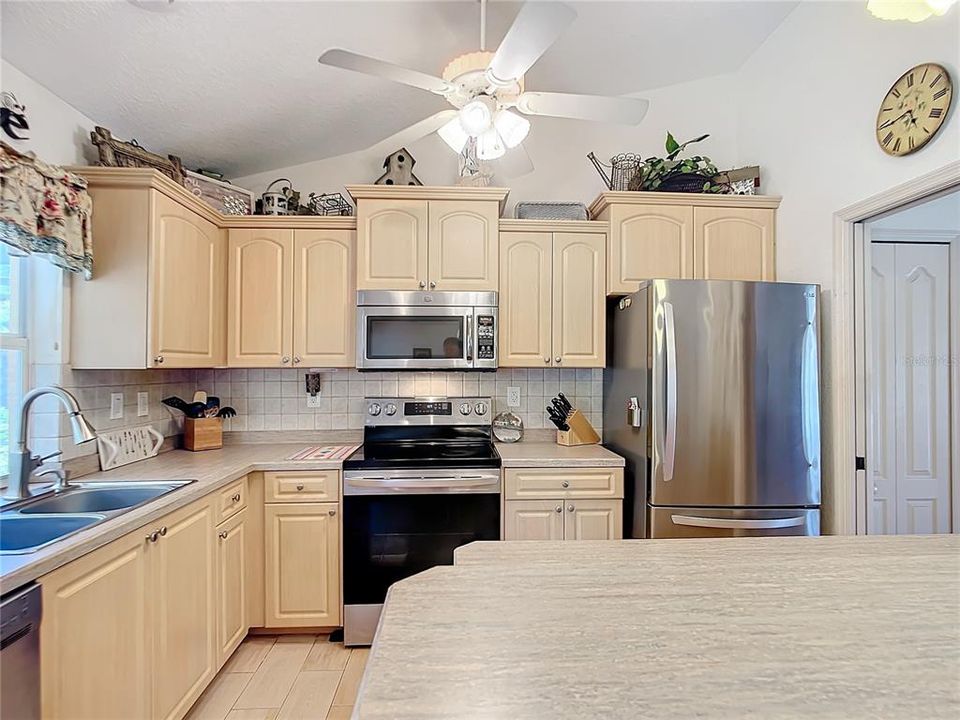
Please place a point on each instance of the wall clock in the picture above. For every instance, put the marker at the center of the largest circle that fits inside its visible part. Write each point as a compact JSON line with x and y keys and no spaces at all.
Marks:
{"x":914,"y":109}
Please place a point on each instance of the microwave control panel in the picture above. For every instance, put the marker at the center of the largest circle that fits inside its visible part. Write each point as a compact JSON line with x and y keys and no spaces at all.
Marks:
{"x":486,"y":334}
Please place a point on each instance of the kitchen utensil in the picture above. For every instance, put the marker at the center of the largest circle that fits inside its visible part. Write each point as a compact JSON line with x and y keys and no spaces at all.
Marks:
{"x":213,"y":406}
{"x":579,"y":431}
{"x":559,"y":407}
{"x":200,"y":396}
{"x":556,"y":419}
{"x":176,"y":403}
{"x":226,"y":412}
{"x":566,"y":403}
{"x":196,"y":410}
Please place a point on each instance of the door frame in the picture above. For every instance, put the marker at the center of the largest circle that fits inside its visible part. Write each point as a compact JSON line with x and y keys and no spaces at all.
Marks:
{"x":844,"y":433}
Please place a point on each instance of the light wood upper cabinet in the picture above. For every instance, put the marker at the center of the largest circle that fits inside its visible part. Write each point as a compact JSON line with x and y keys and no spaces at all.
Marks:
{"x":302,"y":565}
{"x":260,"y":298}
{"x":232,"y":587}
{"x":526,"y":299}
{"x":579,"y":300}
{"x":187,"y":282}
{"x":95,"y":639}
{"x":324,"y":298}
{"x":649,"y":241}
{"x":593,"y":520}
{"x":391,"y":244}
{"x":183,"y":621}
{"x":734,"y":243}
{"x":463,"y":245}
{"x":533,"y":520}
{"x":552,"y":298}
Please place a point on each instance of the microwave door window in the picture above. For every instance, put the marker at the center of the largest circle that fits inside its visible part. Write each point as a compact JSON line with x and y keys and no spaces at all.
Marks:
{"x":415,"y":338}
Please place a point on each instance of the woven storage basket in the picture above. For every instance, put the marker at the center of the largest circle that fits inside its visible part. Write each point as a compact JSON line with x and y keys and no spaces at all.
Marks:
{"x":551,"y":211}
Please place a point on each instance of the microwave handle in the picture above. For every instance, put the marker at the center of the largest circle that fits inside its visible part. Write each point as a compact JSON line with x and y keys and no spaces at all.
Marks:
{"x":469,"y":334}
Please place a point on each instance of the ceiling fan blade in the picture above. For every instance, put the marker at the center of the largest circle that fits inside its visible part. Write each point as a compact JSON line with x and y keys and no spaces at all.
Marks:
{"x":622,"y":110}
{"x":536,"y":27}
{"x":411,"y":134}
{"x":514,"y":163}
{"x":347,"y":60}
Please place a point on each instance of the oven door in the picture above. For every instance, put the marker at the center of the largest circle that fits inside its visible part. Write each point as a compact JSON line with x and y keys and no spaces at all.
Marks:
{"x":415,"y":338}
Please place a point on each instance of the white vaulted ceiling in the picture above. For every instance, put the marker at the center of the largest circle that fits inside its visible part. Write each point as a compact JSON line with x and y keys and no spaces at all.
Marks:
{"x":236,"y":86}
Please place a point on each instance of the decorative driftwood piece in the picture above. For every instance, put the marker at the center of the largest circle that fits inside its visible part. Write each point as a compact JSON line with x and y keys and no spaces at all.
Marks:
{"x":117,"y":153}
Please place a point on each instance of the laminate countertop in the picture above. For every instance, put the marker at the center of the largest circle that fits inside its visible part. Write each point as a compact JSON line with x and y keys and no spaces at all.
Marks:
{"x":828,"y":627}
{"x":211,"y":470}
{"x":550,"y":454}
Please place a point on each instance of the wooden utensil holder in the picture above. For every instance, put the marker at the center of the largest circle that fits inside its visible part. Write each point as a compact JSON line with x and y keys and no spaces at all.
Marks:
{"x":203,"y":433}
{"x":581,"y":432}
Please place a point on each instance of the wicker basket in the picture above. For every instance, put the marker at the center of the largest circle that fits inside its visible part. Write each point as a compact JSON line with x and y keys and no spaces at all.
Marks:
{"x":551,"y":211}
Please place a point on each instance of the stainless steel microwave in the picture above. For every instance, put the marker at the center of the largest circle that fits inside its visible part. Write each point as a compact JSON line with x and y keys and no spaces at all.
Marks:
{"x":410,"y":330}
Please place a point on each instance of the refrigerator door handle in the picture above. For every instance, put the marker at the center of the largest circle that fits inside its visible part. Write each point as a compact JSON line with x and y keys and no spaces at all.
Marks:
{"x":670,"y":429}
{"x":735,"y":523}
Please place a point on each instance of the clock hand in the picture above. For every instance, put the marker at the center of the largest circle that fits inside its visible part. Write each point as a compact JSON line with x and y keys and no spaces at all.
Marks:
{"x":891,"y":122}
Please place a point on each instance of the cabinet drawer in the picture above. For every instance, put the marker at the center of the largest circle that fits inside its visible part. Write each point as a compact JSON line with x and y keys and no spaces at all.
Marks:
{"x":317,"y":486}
{"x":233,"y":499}
{"x":552,"y":483}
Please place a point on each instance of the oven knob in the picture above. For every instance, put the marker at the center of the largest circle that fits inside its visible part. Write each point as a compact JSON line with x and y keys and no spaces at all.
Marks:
{"x":390,"y":409}
{"x":481,"y":408}
{"x":465,"y":408}
{"x":374,"y":409}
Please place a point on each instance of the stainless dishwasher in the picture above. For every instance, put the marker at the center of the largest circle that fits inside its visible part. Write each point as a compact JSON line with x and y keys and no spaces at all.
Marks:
{"x":20,"y":654}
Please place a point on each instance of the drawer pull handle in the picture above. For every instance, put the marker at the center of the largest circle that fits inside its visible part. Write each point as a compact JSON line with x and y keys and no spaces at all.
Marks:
{"x":223,"y":535}
{"x":565,"y":483}
{"x":236,"y":498}
{"x":331,"y":513}
{"x":299,"y":487}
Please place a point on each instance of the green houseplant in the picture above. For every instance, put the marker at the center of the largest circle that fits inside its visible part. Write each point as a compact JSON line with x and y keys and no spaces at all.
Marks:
{"x":672,"y":173}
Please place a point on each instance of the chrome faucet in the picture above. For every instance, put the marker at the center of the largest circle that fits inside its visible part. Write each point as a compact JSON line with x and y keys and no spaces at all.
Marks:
{"x":22,"y":461}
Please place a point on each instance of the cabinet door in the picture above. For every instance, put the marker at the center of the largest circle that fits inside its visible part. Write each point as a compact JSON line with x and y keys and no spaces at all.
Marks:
{"x":183,"y":568}
{"x":231,"y":585}
{"x":463,"y":245}
{"x":187,"y":288}
{"x":260,"y":298}
{"x":391,"y":244}
{"x":526,"y":299}
{"x":302,"y":565}
{"x":579,"y":300}
{"x":734,"y":243}
{"x":94,"y":638}
{"x":533,"y":520}
{"x":324,"y":298}
{"x":593,"y":520}
{"x":649,"y":241}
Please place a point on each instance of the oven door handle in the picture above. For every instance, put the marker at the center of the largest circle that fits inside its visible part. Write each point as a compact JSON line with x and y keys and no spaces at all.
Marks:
{"x":433,"y":483}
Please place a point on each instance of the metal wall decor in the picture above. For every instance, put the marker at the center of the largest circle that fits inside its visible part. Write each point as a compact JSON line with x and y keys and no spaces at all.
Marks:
{"x":13,"y":117}
{"x":117,"y":153}
{"x":278,"y":202}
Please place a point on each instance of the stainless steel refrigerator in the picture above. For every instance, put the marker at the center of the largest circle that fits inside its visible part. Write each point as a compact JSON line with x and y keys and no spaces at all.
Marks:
{"x":711,"y":393}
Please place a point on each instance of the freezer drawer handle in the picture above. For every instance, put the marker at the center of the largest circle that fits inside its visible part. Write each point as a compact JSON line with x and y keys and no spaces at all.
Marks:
{"x":771,"y":524}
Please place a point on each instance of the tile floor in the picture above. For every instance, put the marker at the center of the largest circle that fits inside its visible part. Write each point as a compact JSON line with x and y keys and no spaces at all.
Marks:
{"x":284,"y":677}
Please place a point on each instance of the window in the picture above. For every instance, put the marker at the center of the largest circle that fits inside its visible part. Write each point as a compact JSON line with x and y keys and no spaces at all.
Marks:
{"x":13,"y":344}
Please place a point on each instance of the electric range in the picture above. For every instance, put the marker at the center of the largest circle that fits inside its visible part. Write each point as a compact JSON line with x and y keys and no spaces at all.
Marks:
{"x":425,"y":481}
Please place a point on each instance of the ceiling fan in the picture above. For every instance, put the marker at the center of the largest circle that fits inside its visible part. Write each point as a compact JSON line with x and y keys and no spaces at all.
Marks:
{"x":486,"y":88}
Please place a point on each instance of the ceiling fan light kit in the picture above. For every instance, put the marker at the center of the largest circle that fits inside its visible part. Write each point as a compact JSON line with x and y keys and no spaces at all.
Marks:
{"x":454,"y":135}
{"x":911,"y":10}
{"x":490,"y":145}
{"x":512,"y":128}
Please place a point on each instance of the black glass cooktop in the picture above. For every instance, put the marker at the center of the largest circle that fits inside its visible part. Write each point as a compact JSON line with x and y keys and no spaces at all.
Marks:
{"x":424,"y":447}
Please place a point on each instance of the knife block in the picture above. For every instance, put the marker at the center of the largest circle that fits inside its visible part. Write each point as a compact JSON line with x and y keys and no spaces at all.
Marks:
{"x":203,"y":433}
{"x":581,"y":432}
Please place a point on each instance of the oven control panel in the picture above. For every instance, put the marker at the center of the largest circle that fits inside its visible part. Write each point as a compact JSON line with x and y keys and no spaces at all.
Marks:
{"x":428,"y":411}
{"x":486,"y":334}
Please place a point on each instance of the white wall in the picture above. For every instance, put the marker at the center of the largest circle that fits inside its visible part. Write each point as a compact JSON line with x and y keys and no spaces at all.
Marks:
{"x":59,"y":133}
{"x":808,"y":105}
{"x":558,"y":148}
{"x":940,"y":214}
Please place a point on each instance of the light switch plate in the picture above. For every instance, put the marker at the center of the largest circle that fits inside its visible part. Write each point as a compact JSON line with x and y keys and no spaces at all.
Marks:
{"x":513,"y":397}
{"x":143,"y":404}
{"x":116,"y":406}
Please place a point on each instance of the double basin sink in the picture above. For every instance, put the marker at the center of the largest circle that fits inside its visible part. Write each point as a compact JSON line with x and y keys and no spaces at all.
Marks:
{"x":32,"y":524}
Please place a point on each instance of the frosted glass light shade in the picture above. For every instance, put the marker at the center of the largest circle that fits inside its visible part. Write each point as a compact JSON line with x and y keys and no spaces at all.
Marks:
{"x":454,"y":135}
{"x":490,"y":145}
{"x":912,"y":10}
{"x":475,"y":117}
{"x":512,"y":128}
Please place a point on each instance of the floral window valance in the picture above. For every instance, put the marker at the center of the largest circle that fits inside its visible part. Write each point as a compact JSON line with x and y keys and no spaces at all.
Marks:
{"x":45,"y":210}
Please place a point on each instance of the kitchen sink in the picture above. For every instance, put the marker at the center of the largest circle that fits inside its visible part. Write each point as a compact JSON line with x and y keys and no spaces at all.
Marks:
{"x":100,"y":497}
{"x":28,"y":533}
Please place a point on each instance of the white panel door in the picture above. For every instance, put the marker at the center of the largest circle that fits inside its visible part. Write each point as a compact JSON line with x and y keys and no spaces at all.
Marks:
{"x":909,"y":387}
{"x":923,"y":389}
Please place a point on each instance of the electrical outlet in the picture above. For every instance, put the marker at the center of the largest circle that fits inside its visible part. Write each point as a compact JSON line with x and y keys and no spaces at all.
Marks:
{"x":313,"y":401}
{"x":116,"y":406}
{"x":513,"y":397}
{"x":143,"y":404}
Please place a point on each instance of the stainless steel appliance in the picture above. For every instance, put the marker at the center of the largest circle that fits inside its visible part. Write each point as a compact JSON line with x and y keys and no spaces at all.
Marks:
{"x":403,"y":330}
{"x":712,"y":395}
{"x":20,"y":654}
{"x":425,"y":481}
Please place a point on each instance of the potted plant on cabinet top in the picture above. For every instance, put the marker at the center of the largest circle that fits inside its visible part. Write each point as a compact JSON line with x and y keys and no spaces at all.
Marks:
{"x":670,"y":174}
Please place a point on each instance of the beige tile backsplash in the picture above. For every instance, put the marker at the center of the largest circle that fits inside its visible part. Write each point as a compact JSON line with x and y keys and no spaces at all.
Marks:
{"x":276,"y":399}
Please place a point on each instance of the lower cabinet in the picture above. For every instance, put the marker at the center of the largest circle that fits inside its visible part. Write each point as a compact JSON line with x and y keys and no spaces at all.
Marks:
{"x":232,"y":585}
{"x":302,"y":564}
{"x":129,"y":630}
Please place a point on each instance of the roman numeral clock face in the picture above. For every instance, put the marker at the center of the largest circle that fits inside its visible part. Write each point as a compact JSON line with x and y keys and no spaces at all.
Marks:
{"x":914,"y":109}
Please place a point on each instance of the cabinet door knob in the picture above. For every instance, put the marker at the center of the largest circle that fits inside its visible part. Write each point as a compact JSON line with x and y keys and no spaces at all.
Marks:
{"x":296,"y":359}
{"x":558,"y":359}
{"x":546,"y":360}
{"x":285,"y":359}
{"x":299,"y":487}
{"x":152,"y":537}
{"x":331,"y":513}
{"x":236,"y":498}
{"x":163,"y":530}
{"x":559,"y":508}
{"x":432,"y":284}
{"x":158,"y":359}
{"x":570,"y":508}
{"x":422,"y":284}
{"x":223,"y":535}
{"x":565,"y":483}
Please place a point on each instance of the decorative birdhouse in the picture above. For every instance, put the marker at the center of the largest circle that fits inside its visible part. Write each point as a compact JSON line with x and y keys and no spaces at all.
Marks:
{"x":399,"y":169}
